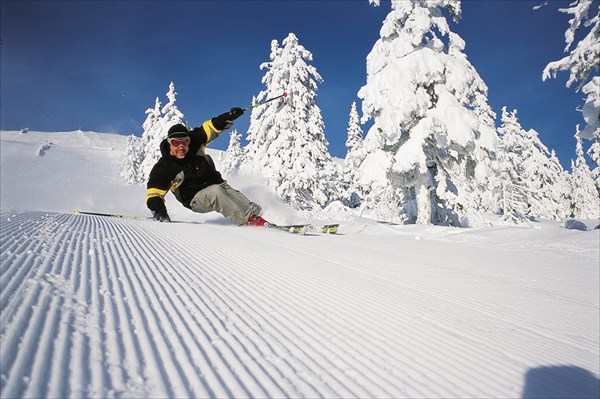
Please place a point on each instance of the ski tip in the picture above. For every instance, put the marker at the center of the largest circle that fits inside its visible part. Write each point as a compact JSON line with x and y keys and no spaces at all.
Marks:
{"x":331,"y":228}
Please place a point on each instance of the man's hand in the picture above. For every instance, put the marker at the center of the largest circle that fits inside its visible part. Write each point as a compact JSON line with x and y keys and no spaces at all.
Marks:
{"x":235,"y":113}
{"x":225,"y":120}
{"x":161,"y":216}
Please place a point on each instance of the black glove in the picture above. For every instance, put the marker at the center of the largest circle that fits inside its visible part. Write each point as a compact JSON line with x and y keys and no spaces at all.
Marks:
{"x":225,"y":120}
{"x":235,"y":113}
{"x":161,"y":216}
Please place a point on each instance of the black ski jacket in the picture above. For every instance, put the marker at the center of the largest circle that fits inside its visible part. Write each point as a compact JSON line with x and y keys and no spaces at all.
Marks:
{"x":185,"y":177}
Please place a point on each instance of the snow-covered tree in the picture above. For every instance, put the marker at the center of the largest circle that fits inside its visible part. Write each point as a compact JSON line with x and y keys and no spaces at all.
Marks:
{"x":594,"y":153}
{"x":354,"y":155}
{"x":512,"y":151}
{"x":170,"y":113}
{"x":232,"y":157}
{"x":432,"y":142}
{"x":158,"y":121}
{"x":286,"y":140}
{"x":151,"y":138}
{"x":556,"y":189}
{"x":583,"y":61}
{"x":591,"y":107}
{"x":532,"y":180}
{"x":585,"y":197}
{"x":131,"y":161}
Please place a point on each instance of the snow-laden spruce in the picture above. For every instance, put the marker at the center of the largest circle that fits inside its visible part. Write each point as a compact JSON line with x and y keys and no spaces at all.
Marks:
{"x":355,"y":154}
{"x":594,"y":153}
{"x":158,"y":121}
{"x":532,"y":180}
{"x":582,"y":62}
{"x":286,"y":139}
{"x":585,"y":200}
{"x":132,"y":161}
{"x":231,"y":158}
{"x":430,"y":149}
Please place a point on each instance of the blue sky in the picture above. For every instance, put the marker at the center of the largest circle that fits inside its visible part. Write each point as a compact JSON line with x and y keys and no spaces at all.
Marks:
{"x":98,"y":65}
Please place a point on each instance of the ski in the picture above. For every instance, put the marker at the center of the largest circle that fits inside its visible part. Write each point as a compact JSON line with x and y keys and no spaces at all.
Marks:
{"x":111,"y":215}
{"x":326,"y":228}
{"x":293,"y":228}
{"x":306,"y":228}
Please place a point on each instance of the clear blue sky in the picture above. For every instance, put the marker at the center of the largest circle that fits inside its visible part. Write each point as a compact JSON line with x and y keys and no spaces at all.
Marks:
{"x":98,"y":65}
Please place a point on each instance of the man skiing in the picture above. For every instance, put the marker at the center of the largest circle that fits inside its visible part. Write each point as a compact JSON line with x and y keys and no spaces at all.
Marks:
{"x":191,"y":175}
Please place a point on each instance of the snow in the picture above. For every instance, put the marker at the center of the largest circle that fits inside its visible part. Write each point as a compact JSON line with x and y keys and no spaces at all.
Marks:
{"x":105,"y":307}
{"x":582,"y":61}
{"x":286,"y":139}
{"x":430,"y":113}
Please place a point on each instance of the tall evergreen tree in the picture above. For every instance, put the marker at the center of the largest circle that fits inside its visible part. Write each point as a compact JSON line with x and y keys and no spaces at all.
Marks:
{"x":354,"y":156}
{"x":232,"y":157}
{"x":585,"y":198}
{"x":533,"y":181}
{"x":432,"y":142}
{"x":554,"y":185}
{"x":157,"y":124}
{"x":152,"y":135}
{"x":170,"y":113}
{"x":512,"y":149}
{"x":594,"y":153}
{"x":583,"y":61}
{"x":286,"y":140}
{"x":131,"y":161}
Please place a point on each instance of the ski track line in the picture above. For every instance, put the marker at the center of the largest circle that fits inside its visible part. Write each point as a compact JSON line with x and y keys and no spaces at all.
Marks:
{"x":116,"y":308}
{"x":228,"y":304}
{"x":354,"y":363}
{"x":174,"y":364}
{"x":360,"y":340}
{"x":175,"y":293}
{"x":165,"y":298}
{"x":427,"y":291}
{"x":35,"y":311}
{"x":239,"y":392}
{"x":425,"y":333}
{"x":529,"y":325}
{"x":516,"y":350}
{"x":86,"y":350}
{"x":196,"y":244}
{"x":15,"y":249}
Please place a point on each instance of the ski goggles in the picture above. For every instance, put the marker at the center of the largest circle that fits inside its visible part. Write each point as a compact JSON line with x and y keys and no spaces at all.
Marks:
{"x":185,"y":141}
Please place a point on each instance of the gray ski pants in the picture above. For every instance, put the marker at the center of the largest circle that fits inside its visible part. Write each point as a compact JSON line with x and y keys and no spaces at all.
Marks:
{"x":227,"y":201}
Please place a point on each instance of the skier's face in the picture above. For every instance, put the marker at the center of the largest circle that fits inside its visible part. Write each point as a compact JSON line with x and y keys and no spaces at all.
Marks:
{"x":179,"y":147}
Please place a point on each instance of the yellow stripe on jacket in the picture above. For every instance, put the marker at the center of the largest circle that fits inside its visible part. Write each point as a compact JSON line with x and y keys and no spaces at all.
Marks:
{"x":211,"y":131}
{"x":155,"y":192}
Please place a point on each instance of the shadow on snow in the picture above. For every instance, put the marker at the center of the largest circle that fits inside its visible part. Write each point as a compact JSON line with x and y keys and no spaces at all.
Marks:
{"x":560,"y":382}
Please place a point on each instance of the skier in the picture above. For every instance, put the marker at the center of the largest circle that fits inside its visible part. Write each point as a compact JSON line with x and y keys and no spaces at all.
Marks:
{"x":190,"y":174}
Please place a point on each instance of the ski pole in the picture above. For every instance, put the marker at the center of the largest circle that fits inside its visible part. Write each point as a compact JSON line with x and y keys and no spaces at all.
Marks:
{"x":266,"y":101}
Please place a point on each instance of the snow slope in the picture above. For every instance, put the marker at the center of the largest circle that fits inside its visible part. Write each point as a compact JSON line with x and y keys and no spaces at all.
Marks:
{"x":106,"y":307}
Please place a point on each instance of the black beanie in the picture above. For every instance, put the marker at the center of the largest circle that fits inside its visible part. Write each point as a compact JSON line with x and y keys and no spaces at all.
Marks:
{"x":178,"y":131}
